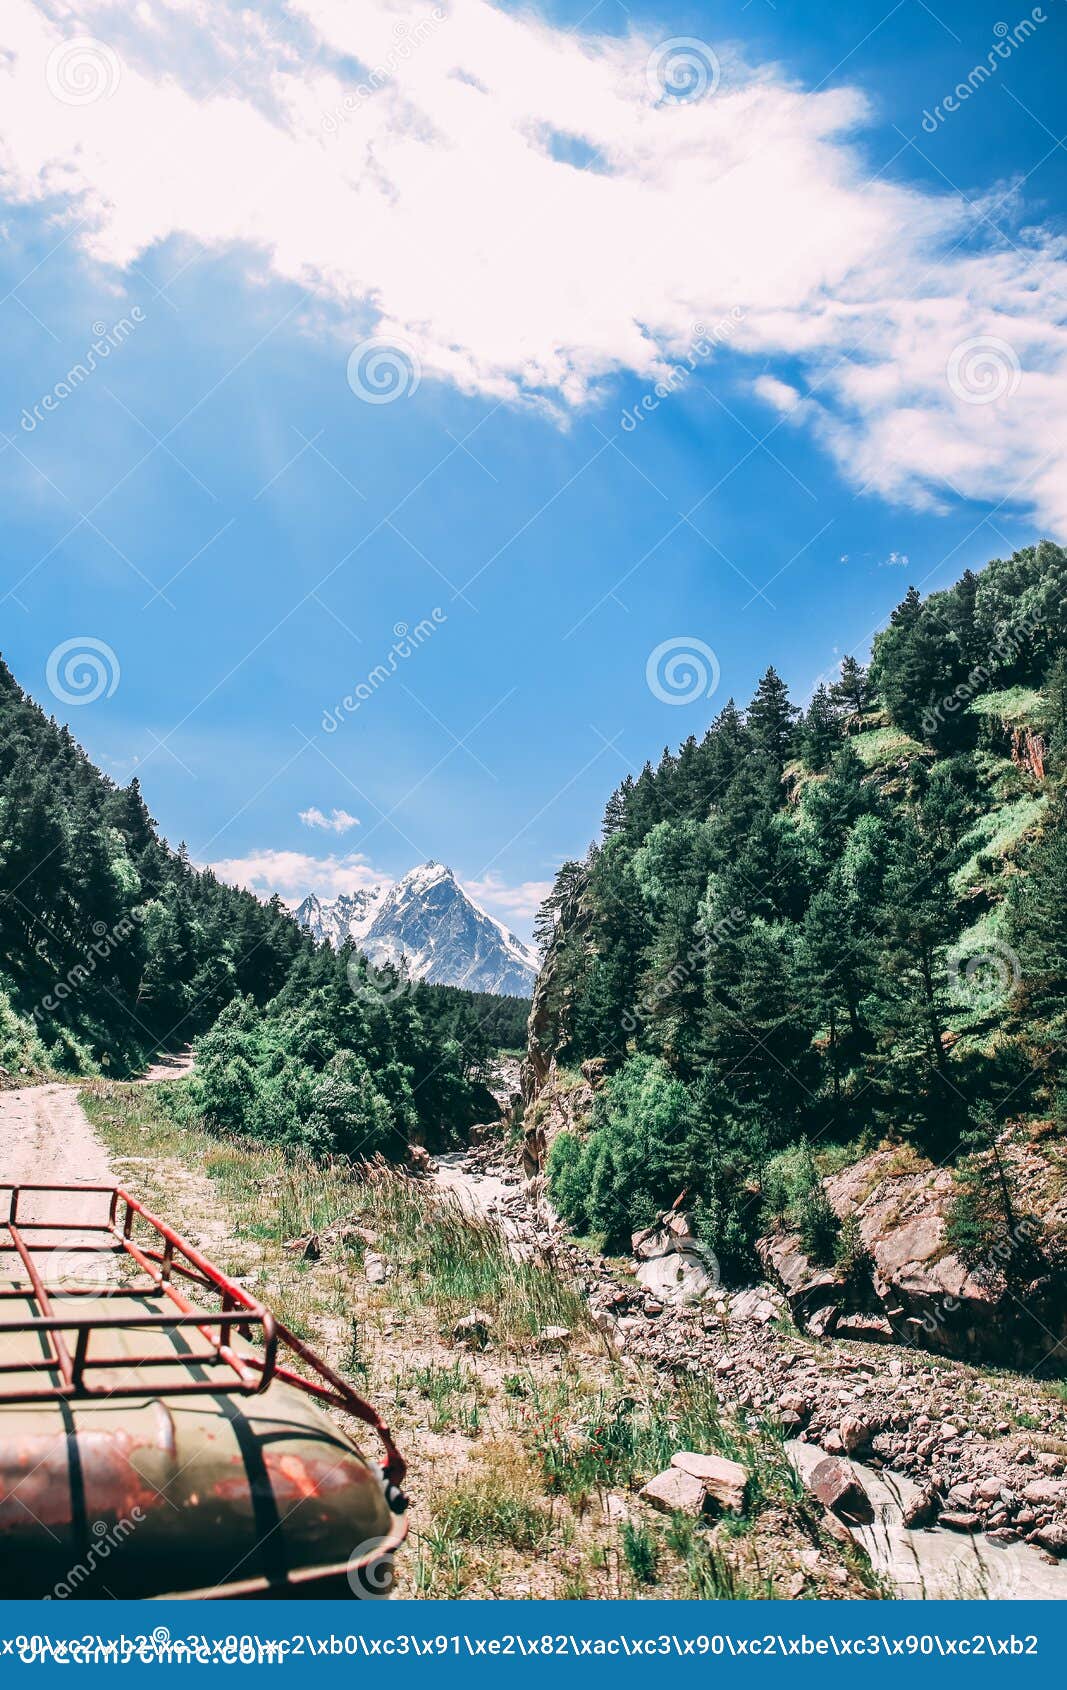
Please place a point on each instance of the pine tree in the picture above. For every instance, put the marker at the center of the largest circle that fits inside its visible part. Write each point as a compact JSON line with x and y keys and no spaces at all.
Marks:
{"x":852,"y":690}
{"x":820,"y":734}
{"x":770,"y":720}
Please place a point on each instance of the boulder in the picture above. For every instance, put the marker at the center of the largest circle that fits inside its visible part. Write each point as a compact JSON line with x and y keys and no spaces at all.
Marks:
{"x":307,"y":1247}
{"x":1052,"y":1537}
{"x":419,"y":1161}
{"x":756,"y":1304}
{"x":855,"y":1433}
{"x":352,"y":1236}
{"x":865,"y":1328}
{"x":676,"y":1278}
{"x":959,"y":1520}
{"x":1051,"y":1491}
{"x":913,"y":1283}
{"x":553,"y":1338}
{"x":726,"y":1482}
{"x":473,"y":1330}
{"x":675,"y":1492}
{"x":838,"y":1486}
{"x":376,"y":1268}
{"x":822,"y":1321}
{"x":919,"y":1510}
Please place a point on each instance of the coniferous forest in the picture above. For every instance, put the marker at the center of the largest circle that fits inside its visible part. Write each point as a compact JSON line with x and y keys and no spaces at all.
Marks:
{"x":113,"y":946}
{"x":806,"y":929}
{"x":810,"y":931}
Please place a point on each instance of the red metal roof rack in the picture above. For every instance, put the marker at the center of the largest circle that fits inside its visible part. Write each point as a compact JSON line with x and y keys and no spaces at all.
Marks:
{"x":135,"y":1323}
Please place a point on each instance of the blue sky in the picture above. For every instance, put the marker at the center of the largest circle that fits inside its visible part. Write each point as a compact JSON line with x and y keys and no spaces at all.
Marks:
{"x":858,"y":286}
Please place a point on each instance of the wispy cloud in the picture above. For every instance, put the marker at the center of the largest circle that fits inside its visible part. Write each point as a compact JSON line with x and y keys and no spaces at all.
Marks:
{"x":491,"y":193}
{"x":514,"y":903}
{"x":338,"y":821}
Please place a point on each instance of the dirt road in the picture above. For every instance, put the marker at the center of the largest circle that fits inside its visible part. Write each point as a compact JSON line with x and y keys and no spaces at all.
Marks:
{"x":45,"y":1137}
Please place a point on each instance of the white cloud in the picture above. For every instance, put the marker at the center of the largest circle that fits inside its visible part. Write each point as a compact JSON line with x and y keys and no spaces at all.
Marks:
{"x":784,"y":398}
{"x":338,"y":821}
{"x":293,"y":874}
{"x":434,"y":203}
{"x":515,"y":903}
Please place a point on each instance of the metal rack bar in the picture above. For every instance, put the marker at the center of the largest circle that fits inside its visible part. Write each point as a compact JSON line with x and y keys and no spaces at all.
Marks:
{"x":162,"y":1256}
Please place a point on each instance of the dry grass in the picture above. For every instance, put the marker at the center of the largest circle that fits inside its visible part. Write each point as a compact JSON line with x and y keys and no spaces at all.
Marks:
{"x":523,"y":1465}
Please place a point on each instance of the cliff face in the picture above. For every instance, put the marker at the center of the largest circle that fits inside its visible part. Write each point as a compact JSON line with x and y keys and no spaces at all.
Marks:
{"x":908,"y":1285}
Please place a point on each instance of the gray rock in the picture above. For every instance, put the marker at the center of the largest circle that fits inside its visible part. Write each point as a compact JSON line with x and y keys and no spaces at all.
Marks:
{"x":676,"y":1278}
{"x":726,"y":1482}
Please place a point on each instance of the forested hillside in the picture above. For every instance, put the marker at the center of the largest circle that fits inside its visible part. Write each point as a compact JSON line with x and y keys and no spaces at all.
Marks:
{"x":112,"y":946}
{"x":828,"y":928}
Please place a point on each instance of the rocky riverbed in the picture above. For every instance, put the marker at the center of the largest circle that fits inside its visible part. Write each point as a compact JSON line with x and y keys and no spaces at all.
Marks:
{"x":980,"y":1454}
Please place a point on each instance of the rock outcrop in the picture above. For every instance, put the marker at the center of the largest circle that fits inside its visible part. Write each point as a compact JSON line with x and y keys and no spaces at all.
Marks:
{"x":911,"y":1286}
{"x":894,"y":1407}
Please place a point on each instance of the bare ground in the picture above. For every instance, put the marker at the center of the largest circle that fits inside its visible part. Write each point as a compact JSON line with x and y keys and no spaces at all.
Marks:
{"x":46,"y":1138}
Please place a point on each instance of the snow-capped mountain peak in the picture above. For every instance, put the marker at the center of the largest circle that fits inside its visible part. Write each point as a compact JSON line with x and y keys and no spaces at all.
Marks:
{"x":429,"y":921}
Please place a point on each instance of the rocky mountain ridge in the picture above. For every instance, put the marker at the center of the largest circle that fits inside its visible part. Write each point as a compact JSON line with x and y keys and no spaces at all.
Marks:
{"x":428,"y":923}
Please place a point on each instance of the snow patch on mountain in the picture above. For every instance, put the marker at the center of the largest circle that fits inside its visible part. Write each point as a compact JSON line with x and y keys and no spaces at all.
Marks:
{"x":429,"y":922}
